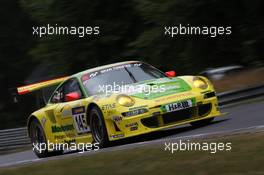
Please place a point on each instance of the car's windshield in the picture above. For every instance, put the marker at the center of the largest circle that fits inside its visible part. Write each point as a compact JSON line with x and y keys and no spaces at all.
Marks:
{"x":96,"y":82}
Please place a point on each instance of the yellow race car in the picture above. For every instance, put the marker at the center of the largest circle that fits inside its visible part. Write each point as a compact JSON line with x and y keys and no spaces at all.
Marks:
{"x":117,"y":101}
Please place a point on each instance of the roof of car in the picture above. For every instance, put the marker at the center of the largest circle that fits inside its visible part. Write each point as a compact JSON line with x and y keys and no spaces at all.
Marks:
{"x":102,"y":67}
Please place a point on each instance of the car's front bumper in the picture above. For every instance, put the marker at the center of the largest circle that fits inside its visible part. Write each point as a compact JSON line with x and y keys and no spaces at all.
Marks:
{"x":156,"y":119}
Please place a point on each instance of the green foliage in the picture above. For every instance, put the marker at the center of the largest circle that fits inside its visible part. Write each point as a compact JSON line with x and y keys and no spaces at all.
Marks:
{"x":190,"y":54}
{"x":135,"y":30}
{"x":117,"y":21}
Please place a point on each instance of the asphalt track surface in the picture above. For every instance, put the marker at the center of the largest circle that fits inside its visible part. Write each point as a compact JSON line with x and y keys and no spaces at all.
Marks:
{"x":240,"y":116}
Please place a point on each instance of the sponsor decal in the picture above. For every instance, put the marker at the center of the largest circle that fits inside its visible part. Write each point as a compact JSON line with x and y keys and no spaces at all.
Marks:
{"x":163,"y":88}
{"x":78,"y":110}
{"x":117,"y":118}
{"x":62,"y":128}
{"x":59,"y":137}
{"x":178,"y":105}
{"x":96,"y":73}
{"x":184,"y":95}
{"x":79,"y":118}
{"x":108,"y":106}
{"x":134,"y":108}
{"x":70,"y":135}
{"x":117,"y":136}
{"x":176,"y":86}
{"x":119,"y":67}
{"x":133,"y":126}
{"x":135,"y":112}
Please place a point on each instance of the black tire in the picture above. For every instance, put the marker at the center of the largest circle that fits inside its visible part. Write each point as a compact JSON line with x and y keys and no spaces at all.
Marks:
{"x":98,"y":128}
{"x":202,"y":122}
{"x":37,"y":137}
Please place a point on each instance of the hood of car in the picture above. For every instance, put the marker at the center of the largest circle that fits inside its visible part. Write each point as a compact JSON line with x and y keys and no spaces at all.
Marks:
{"x":153,"y":89}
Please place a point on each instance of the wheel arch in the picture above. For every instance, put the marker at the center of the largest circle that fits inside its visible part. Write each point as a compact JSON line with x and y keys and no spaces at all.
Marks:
{"x":30,"y":119}
{"x":88,"y":109}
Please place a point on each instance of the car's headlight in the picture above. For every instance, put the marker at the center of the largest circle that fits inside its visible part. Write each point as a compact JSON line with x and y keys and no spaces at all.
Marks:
{"x":200,"y":83}
{"x":125,"y":100}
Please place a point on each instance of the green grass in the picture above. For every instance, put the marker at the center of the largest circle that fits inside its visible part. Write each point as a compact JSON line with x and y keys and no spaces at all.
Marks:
{"x":246,"y":157}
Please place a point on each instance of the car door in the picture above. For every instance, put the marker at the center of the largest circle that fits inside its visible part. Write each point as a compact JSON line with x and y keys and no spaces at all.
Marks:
{"x":71,"y":111}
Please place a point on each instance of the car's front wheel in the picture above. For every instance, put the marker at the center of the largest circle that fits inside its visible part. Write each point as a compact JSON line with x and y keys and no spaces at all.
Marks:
{"x":98,"y":127}
{"x":202,"y":122}
{"x":39,"y":141}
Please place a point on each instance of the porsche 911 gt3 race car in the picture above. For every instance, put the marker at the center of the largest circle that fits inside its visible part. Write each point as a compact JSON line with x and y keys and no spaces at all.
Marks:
{"x":117,"y":101}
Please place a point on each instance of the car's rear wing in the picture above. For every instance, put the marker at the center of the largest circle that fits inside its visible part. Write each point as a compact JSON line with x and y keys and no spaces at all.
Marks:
{"x":37,"y":86}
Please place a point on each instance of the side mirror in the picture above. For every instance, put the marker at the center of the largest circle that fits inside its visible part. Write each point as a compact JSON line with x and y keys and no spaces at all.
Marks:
{"x":170,"y":73}
{"x":72,"y":96}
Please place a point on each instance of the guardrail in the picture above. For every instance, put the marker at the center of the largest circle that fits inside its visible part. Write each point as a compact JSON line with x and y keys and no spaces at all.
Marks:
{"x":13,"y":138}
{"x":233,"y":96}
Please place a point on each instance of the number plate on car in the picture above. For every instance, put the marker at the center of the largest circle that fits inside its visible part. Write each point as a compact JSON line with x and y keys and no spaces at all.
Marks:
{"x":178,"y":105}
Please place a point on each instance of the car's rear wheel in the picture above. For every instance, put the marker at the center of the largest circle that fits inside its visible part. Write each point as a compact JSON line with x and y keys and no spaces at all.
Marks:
{"x":39,"y":141}
{"x":98,"y":127}
{"x":202,"y":122}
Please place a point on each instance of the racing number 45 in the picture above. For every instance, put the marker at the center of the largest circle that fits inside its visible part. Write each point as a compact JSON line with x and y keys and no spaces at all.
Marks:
{"x":79,"y":118}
